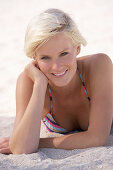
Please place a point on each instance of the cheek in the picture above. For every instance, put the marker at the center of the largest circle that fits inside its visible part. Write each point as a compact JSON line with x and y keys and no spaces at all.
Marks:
{"x":43,"y":67}
{"x":71,"y":60}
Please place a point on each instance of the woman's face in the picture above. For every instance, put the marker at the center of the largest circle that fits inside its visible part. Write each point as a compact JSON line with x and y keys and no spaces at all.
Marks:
{"x":57,"y":59}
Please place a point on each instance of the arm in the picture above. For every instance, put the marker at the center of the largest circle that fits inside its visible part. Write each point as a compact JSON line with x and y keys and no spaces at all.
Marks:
{"x":29,"y":108}
{"x":101,"y":111}
{"x":78,"y":140}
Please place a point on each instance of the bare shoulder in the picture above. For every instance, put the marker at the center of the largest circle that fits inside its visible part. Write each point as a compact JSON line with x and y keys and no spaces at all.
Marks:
{"x":91,"y":65}
{"x":100,"y":70}
{"x":97,"y":63}
{"x":96,"y":60}
{"x":25,"y":81}
{"x":23,"y":78}
{"x":89,"y":61}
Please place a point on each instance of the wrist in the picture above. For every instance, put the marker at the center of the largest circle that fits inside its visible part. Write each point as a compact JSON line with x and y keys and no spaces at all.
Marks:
{"x":46,"y":143}
{"x":40,"y":84}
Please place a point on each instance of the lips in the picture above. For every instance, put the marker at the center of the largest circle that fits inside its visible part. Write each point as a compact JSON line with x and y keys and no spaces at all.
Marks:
{"x":59,"y":74}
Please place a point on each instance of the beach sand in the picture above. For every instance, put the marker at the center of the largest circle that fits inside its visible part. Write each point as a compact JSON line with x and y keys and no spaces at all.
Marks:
{"x":94,"y":19}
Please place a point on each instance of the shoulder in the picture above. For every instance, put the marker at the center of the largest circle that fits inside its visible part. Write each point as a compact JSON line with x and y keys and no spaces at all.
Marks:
{"x":24,"y":78}
{"x":90,"y":61}
{"x":92,"y":68}
{"x":98,"y":61}
{"x":100,"y":73}
{"x":98,"y":67}
{"x":24,"y":85}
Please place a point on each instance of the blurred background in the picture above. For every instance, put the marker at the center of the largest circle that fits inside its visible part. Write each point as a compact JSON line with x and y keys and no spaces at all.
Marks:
{"x":93,"y":17}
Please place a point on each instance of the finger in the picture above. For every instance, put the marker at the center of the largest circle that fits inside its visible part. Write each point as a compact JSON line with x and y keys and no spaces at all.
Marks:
{"x":5,"y":151}
{"x":4,"y":140}
{"x":4,"y":145}
{"x":34,"y":61}
{"x":36,"y":64}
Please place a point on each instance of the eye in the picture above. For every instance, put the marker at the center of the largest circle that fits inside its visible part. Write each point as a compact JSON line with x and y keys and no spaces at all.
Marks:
{"x":64,"y":53}
{"x":45,"y":57}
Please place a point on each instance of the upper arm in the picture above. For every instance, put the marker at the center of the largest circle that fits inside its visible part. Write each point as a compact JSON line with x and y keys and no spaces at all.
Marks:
{"x":24,"y":88}
{"x":101,"y":93}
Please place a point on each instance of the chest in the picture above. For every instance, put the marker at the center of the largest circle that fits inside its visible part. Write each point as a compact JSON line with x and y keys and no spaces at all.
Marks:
{"x":72,"y":114}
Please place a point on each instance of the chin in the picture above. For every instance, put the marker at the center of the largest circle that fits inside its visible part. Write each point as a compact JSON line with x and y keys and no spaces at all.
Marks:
{"x":63,"y":80}
{"x":61,"y":83}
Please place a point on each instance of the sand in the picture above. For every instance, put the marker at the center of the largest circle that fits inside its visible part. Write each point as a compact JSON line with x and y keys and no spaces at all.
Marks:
{"x":48,"y":158}
{"x":94,"y":19}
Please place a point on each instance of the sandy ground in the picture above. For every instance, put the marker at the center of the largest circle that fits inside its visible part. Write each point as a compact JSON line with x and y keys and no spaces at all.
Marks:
{"x":95,"y":21}
{"x":95,"y":158}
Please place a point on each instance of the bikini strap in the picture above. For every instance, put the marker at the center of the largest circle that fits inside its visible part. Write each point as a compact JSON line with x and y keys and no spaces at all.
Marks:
{"x":83,"y":83}
{"x":51,"y":107}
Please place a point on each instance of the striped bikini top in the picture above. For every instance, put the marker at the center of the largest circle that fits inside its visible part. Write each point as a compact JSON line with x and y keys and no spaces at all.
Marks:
{"x":49,"y":120}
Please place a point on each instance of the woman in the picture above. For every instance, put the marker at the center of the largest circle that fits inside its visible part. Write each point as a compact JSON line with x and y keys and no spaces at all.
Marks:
{"x":67,"y":93}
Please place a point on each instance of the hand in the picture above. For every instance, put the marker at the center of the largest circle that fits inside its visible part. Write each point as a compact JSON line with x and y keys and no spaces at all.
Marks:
{"x":4,"y":146}
{"x":34,"y":73}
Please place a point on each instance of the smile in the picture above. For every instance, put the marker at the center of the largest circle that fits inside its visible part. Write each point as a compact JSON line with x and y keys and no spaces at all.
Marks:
{"x":59,"y":74}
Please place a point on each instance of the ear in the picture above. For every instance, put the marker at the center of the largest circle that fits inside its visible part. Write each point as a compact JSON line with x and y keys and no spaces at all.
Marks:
{"x":78,"y":49}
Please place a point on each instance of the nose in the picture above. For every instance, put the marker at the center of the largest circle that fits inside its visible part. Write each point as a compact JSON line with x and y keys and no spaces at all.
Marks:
{"x":56,"y":65}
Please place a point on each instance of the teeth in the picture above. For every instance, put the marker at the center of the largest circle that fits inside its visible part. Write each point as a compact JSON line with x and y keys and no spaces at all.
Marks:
{"x":60,"y":74}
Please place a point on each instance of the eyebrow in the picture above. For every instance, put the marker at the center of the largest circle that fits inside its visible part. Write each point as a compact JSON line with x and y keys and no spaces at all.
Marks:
{"x":59,"y":52}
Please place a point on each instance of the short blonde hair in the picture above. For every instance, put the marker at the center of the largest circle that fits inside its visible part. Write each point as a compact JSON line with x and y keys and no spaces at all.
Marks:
{"x":47,"y":24}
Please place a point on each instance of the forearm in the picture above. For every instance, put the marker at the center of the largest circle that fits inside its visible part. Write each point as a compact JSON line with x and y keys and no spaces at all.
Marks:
{"x":25,"y":138}
{"x":72,"y":141}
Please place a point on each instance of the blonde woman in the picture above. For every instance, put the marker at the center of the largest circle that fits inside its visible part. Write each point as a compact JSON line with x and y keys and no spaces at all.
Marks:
{"x":72,"y":96}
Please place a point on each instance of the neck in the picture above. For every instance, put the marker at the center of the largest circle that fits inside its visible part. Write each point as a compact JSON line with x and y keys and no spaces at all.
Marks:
{"x":69,"y":90}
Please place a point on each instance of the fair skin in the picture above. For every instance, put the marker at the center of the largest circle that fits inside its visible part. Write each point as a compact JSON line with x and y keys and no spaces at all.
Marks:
{"x":70,"y":105}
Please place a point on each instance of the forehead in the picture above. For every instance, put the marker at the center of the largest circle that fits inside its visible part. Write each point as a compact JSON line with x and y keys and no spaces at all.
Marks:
{"x":56,"y":43}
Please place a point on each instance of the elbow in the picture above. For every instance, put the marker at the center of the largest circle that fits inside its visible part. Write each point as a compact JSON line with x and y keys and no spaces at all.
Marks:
{"x":17,"y":150}
{"x":100,"y":142}
{"x":97,"y":140}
